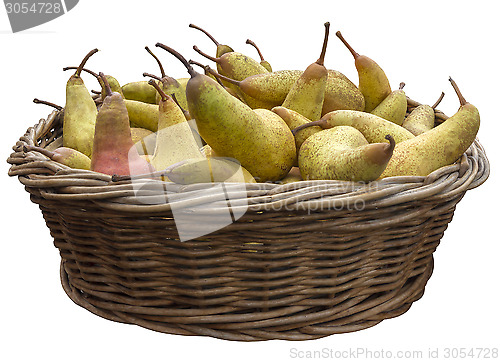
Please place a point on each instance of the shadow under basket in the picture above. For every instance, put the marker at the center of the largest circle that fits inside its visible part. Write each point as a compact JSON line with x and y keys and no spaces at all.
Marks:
{"x":302,"y":261}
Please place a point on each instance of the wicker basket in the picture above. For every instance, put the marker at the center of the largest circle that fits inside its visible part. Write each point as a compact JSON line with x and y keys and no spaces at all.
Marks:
{"x":306,"y":259}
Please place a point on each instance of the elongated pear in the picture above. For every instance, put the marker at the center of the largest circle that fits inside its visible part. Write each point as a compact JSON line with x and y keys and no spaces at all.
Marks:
{"x":65,"y":155}
{"x":308,"y":93}
{"x":264,"y":146}
{"x":422,"y":118}
{"x":140,"y":91}
{"x":373,"y":81}
{"x":342,"y":153}
{"x":221,"y":48}
{"x":263,"y":62}
{"x":294,"y":119}
{"x":142,"y":114}
{"x":174,"y":139}
{"x":114,"y":150}
{"x":80,"y":113}
{"x":112,"y":81}
{"x":169,"y":84}
{"x":438,"y":147}
{"x":393,"y":107}
{"x":373,"y":127}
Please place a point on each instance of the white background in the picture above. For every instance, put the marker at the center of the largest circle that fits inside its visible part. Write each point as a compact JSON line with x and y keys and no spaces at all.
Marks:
{"x":420,"y":43}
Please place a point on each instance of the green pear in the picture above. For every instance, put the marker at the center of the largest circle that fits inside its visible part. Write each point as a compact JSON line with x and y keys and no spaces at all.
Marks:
{"x":263,"y":62}
{"x":438,"y":147}
{"x":221,"y":48}
{"x":308,"y":93}
{"x":343,"y":153}
{"x":259,"y":139}
{"x":144,"y":139}
{"x":373,"y":127}
{"x":140,"y":91}
{"x":373,"y":82}
{"x":114,"y":151}
{"x":393,"y":107}
{"x":175,"y":140}
{"x":65,"y":155}
{"x":113,"y":82}
{"x":421,"y":118}
{"x":80,"y":113}
{"x":293,"y":120}
{"x":142,"y":114}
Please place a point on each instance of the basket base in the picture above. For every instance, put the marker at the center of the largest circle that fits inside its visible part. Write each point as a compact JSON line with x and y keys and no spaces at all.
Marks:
{"x":393,"y":307}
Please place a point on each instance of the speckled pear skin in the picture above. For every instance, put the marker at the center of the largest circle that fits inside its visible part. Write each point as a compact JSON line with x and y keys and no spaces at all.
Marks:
{"x":373,"y":82}
{"x":373,"y":127}
{"x":80,"y":112}
{"x":420,"y":120}
{"x":342,"y":153}
{"x":393,"y":107}
{"x":308,"y":92}
{"x":438,"y":147}
{"x":140,"y":91}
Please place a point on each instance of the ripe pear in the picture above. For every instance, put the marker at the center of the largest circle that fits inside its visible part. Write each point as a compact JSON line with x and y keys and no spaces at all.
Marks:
{"x":393,"y":107}
{"x":80,"y":113}
{"x":263,"y":62}
{"x":340,"y":92}
{"x":422,"y":118}
{"x":168,"y":84}
{"x":373,"y":127}
{"x":343,"y":153}
{"x":65,"y":155}
{"x":114,"y":150}
{"x":140,"y":91}
{"x":373,"y":82}
{"x":308,"y":93}
{"x":294,"y":119}
{"x":113,"y":82}
{"x":221,"y":48}
{"x":438,"y":147}
{"x":175,"y":140}
{"x":260,"y":140}
{"x":142,"y":114}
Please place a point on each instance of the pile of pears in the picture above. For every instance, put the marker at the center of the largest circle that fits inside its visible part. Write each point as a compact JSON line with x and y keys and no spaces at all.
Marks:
{"x":273,"y":125}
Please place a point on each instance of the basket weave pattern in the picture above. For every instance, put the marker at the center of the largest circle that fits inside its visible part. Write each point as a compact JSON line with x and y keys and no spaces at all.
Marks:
{"x":306,"y":260}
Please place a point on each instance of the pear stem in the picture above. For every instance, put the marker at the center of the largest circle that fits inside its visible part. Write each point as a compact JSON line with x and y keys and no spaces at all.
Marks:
{"x":392,"y":142}
{"x":220,"y":76}
{"x":401,"y":85}
{"x":151,"y":76}
{"x":163,"y":95}
{"x":353,"y":52}
{"x":84,"y":69}
{"x":105,"y":84}
{"x":162,"y":71}
{"x":321,"y":59}
{"x":205,"y":32}
{"x":438,"y":101}
{"x":38,"y":101}
{"x":179,"y":56}
{"x":256,"y":48}
{"x":459,"y":94}
{"x":321,"y":123}
{"x":213,"y":59}
{"x":80,"y":67}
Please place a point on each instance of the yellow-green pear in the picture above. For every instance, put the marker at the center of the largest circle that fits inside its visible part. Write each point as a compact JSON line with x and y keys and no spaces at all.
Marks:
{"x":263,"y":62}
{"x":343,"y":153}
{"x":259,"y":139}
{"x":80,"y":113}
{"x":142,"y":114}
{"x":373,"y":127}
{"x":438,"y":147}
{"x":308,"y":93}
{"x":422,"y":118}
{"x":373,"y":81}
{"x":393,"y":107}
{"x":65,"y":155}
{"x":140,"y":91}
